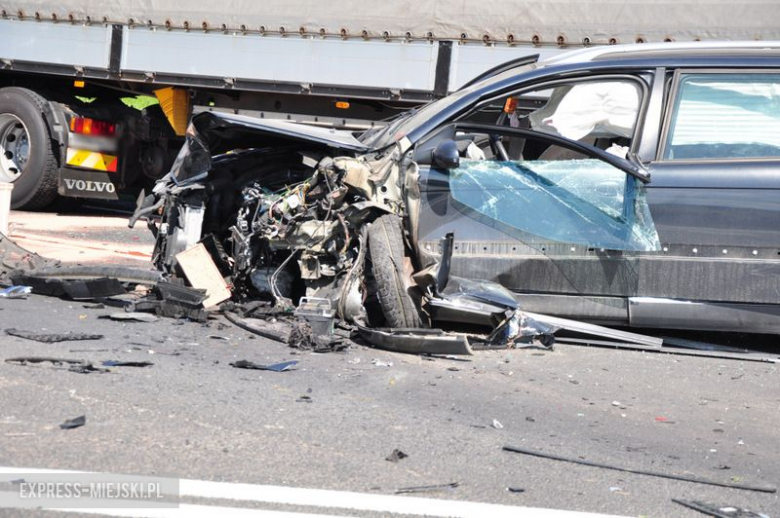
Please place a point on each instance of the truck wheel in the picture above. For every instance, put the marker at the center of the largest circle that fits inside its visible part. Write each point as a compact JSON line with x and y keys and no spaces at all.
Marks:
{"x":386,"y":264}
{"x":26,"y":155}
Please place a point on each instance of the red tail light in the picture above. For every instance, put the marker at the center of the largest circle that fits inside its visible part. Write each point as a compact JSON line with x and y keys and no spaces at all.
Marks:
{"x":87,"y":126}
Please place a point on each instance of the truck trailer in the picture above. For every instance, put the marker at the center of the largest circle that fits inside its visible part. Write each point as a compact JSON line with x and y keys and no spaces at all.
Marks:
{"x":95,"y":98}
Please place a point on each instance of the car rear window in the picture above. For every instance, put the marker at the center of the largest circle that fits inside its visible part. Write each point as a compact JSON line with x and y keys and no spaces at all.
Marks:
{"x":725,"y":116}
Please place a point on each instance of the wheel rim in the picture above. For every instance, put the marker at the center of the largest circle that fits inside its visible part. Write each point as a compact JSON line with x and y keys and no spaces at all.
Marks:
{"x":14,"y":147}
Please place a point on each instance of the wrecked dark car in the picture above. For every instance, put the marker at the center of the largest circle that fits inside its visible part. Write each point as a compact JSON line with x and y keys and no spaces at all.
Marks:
{"x":527,"y":189}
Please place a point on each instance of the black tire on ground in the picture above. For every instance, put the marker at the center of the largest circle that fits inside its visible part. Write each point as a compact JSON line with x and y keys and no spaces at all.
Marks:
{"x":386,"y":264}
{"x":36,"y":186}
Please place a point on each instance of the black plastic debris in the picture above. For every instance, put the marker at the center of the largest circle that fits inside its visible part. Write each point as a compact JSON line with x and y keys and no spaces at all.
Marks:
{"x":697,"y":480}
{"x":50,"y":338}
{"x":417,"y":341}
{"x":86,"y":368}
{"x":92,"y":288}
{"x":76,"y":422}
{"x":396,"y":456}
{"x":515,"y":490}
{"x":175,"y":301}
{"x":719,"y":511}
{"x":82,"y":289}
{"x":77,"y":366}
{"x":119,"y":363}
{"x":135,"y":316}
{"x":276,"y":367}
{"x":427,"y":489}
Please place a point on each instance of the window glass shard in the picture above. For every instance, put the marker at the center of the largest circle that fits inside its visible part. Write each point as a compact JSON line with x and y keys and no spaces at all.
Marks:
{"x":586,"y":201}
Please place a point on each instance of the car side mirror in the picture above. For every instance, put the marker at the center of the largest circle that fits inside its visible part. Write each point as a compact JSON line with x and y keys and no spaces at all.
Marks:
{"x":446,"y":155}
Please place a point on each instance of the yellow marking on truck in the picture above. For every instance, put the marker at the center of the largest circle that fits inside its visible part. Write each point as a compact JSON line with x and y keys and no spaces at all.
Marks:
{"x":91,"y":160}
{"x":175,"y":104}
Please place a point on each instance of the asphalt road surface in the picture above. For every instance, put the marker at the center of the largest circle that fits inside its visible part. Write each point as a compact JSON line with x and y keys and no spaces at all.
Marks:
{"x":269,"y":438}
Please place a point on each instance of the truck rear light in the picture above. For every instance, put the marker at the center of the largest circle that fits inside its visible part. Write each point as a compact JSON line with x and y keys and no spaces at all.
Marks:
{"x":87,"y":126}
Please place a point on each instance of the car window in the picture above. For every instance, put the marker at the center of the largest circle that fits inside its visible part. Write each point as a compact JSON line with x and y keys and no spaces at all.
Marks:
{"x":602,"y":113}
{"x":725,"y":116}
{"x":567,"y":197}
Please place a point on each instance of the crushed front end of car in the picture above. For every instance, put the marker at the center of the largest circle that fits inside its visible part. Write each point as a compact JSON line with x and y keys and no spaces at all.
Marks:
{"x":286,"y":213}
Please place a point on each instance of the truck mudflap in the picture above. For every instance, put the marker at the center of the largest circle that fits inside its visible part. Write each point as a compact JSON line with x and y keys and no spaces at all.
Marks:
{"x":88,"y":184}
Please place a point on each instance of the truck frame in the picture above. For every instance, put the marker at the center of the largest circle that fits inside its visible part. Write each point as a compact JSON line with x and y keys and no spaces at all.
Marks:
{"x":71,"y":73}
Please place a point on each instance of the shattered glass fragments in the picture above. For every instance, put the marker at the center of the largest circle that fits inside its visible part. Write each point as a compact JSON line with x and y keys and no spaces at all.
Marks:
{"x":586,"y":202}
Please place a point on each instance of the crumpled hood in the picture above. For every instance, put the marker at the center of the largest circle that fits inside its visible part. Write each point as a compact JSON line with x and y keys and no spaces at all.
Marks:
{"x":216,"y":127}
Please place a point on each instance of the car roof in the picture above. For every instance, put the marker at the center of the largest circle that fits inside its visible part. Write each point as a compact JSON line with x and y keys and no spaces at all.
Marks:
{"x":668,"y":53}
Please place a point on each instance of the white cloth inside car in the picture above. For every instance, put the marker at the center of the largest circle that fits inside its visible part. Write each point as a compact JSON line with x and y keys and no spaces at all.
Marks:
{"x":605,"y":109}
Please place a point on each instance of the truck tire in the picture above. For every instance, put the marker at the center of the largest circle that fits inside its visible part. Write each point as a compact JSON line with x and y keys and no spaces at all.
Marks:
{"x":386,"y":264}
{"x":27,"y":158}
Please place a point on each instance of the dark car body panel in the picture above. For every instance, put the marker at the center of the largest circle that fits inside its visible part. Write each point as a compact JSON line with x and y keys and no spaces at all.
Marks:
{"x":718,"y":222}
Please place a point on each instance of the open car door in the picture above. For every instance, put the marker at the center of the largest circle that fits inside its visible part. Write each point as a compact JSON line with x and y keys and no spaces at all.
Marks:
{"x":536,"y":213}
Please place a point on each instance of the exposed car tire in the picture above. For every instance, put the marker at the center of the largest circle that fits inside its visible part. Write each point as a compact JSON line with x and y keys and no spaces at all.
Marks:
{"x":386,"y":263}
{"x":27,"y":158}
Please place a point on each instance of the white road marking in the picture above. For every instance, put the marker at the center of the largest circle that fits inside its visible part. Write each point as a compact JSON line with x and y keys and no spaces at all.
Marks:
{"x":320,"y":498}
{"x":184,"y":510}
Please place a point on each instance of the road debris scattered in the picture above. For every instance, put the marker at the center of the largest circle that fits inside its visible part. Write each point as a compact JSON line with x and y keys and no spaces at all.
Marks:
{"x":134,"y":316}
{"x":725,"y":511}
{"x":50,"y":338}
{"x":694,"y":479}
{"x":15,"y":292}
{"x":427,"y":489}
{"x":76,"y":422}
{"x":515,"y":490}
{"x":396,"y":455}
{"x":303,"y":337}
{"x":676,"y":349}
{"x":119,"y":363}
{"x":86,"y":368}
{"x":497,"y":425}
{"x":24,"y":360}
{"x":276,"y":367}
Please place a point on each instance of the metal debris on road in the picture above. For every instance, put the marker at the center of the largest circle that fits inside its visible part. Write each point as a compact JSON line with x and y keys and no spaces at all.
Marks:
{"x":15,"y":292}
{"x":276,"y":367}
{"x":676,"y":350}
{"x":427,"y":489}
{"x":694,"y":479}
{"x":718,"y":511}
{"x":24,"y":360}
{"x":497,"y":425}
{"x":50,"y":338}
{"x":276,"y":331}
{"x":76,"y":422}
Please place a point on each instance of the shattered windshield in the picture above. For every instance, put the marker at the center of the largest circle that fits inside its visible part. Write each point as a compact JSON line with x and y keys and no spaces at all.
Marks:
{"x":586,"y":201}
